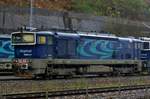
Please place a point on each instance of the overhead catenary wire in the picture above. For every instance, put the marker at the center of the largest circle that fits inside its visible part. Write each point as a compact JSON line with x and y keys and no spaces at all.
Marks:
{"x":146,"y":25}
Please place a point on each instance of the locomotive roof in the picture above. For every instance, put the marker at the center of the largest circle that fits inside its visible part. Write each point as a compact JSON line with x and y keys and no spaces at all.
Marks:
{"x":5,"y":36}
{"x":125,"y":39}
{"x":59,"y":34}
{"x":78,"y":34}
{"x":137,"y":40}
{"x":130,"y":39}
{"x":23,"y":32}
{"x":45,"y":32}
{"x":97,"y":35}
{"x":67,"y":34}
{"x":145,"y":38}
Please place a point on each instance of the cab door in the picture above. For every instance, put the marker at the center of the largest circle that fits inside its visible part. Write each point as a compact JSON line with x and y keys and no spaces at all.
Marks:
{"x":62,"y":48}
{"x":50,"y":46}
{"x":41,"y":47}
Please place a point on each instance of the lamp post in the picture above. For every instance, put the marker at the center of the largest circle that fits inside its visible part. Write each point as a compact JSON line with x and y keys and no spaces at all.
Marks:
{"x":31,"y":13}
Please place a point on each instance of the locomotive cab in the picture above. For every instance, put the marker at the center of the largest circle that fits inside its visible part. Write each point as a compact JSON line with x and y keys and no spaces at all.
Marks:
{"x":146,"y":49}
{"x":31,"y":46}
{"x":145,"y":53}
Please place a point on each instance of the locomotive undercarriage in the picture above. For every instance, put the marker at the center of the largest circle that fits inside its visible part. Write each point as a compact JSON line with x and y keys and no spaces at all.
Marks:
{"x":146,"y":66}
{"x":5,"y":66}
{"x":49,"y":68}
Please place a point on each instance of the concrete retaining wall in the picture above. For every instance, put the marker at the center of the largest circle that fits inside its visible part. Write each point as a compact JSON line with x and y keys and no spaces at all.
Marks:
{"x":11,"y":18}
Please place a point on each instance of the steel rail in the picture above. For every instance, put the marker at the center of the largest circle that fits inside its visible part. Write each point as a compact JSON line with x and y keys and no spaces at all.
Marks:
{"x":74,"y":92}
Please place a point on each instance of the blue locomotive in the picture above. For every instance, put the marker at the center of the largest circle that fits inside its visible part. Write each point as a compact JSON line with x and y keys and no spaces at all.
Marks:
{"x":6,"y":53}
{"x":53,"y":53}
{"x":145,"y":53}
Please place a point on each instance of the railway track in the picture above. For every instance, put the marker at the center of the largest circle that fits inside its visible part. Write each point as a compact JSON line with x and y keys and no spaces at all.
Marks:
{"x":12,"y":78}
{"x":73,"y":92}
{"x":20,"y":88}
{"x":6,"y":73}
{"x":15,"y":78}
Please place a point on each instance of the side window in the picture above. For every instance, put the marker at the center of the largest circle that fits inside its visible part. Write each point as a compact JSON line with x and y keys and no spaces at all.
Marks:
{"x":71,"y":47}
{"x":1,"y":43}
{"x":50,"y":40}
{"x":120,"y":45}
{"x":146,"y":45}
{"x":129,"y":45}
{"x":139,"y":46}
{"x":136,"y":45}
{"x":41,"y":40}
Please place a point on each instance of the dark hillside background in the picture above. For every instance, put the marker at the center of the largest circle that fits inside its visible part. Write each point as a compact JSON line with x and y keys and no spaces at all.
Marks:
{"x":59,"y":5}
{"x":120,"y":17}
{"x":132,"y":9}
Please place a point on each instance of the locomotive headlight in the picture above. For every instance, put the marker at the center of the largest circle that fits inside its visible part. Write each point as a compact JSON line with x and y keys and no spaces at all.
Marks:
{"x":24,"y":66}
{"x":14,"y":60}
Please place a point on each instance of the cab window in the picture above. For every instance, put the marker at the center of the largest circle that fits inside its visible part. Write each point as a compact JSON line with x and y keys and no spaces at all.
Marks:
{"x":41,"y":40}
{"x":28,"y":38}
{"x":20,"y":38}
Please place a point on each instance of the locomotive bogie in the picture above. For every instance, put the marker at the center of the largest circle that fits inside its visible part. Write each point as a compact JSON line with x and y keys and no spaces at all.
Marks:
{"x":6,"y":66}
{"x":38,"y":66}
{"x":72,"y":67}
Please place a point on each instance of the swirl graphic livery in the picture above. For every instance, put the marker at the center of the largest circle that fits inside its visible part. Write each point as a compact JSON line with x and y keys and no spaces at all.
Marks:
{"x":91,"y":48}
{"x":6,"y":50}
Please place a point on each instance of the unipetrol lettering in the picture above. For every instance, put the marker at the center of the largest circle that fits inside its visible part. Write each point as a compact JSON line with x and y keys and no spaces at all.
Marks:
{"x":25,"y":51}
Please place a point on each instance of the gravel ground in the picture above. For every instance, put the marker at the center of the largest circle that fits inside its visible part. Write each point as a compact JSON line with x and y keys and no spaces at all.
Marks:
{"x":136,"y":94}
{"x":7,"y":87}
